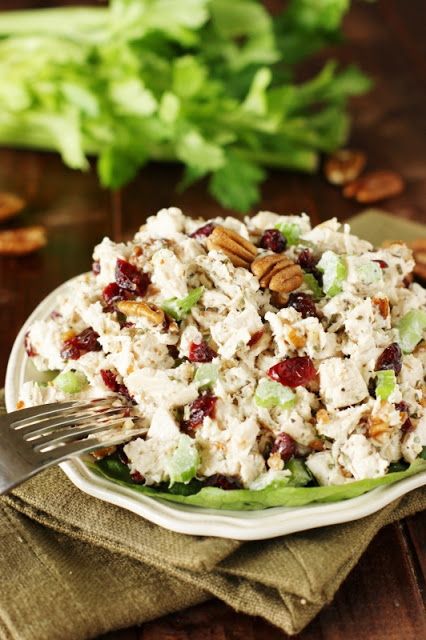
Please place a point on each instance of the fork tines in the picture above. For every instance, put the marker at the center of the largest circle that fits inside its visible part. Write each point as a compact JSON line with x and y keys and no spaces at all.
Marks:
{"x":58,"y":424}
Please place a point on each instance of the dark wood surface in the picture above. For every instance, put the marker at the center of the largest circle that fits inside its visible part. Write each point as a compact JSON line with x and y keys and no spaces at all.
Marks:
{"x":383,"y":598}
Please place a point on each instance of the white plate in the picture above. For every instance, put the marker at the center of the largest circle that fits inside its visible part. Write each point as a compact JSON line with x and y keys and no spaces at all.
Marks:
{"x":240,"y":525}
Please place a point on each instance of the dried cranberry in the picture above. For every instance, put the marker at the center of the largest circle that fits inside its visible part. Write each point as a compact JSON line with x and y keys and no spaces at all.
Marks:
{"x":255,"y":338}
{"x":125,"y":324}
{"x":87,"y":340}
{"x":199,"y":409}
{"x":407,"y":426}
{"x":227,"y":483}
{"x":110,"y":379}
{"x":402,"y":406}
{"x":70,"y":352}
{"x":201,"y":352}
{"x":293,"y":372}
{"x":307,"y":260}
{"x":113,"y":294}
{"x":96,"y":268}
{"x":273,"y":240}
{"x":80,"y":344}
{"x":111,"y":382}
{"x":203,"y":232}
{"x":382,"y":264}
{"x":303,"y":303}
{"x":123,"y":391}
{"x":29,"y":349}
{"x":128,"y":277}
{"x":285,"y":446}
{"x":137,"y":477}
{"x":390,"y":358}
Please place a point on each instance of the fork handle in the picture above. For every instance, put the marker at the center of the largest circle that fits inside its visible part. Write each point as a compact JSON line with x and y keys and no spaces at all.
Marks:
{"x":14,"y":467}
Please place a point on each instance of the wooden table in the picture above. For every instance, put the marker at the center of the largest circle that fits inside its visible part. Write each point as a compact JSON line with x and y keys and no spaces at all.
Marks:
{"x":383,"y":598}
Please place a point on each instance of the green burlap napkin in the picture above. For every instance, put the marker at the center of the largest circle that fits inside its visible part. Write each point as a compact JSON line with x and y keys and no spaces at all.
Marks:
{"x":73,"y":567}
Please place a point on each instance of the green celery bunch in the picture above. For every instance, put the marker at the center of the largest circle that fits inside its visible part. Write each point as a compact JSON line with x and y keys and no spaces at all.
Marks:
{"x":208,"y":83}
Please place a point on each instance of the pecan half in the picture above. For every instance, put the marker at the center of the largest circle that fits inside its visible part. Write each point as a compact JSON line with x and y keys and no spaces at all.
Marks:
{"x":317,"y":444}
{"x":19,"y":242}
{"x":240,"y":251}
{"x":10,"y":205}
{"x":103,"y":453}
{"x":383,"y":305}
{"x":376,"y":427}
{"x":374,"y":186}
{"x":344,"y":165}
{"x":419,"y":253}
{"x":141,"y":310}
{"x":278,"y":273}
{"x":322,"y":416}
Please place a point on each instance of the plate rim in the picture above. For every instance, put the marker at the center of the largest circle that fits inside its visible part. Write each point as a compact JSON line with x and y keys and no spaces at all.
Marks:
{"x":240,"y":525}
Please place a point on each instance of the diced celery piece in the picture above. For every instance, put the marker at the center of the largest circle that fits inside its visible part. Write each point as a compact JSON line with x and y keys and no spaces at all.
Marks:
{"x":386,"y":383}
{"x":206,"y":374}
{"x":48,"y":375}
{"x":334,"y":271}
{"x":274,"y":394}
{"x":290,"y":231}
{"x":178,"y":308}
{"x":183,"y":463}
{"x":300,"y":475}
{"x":369,"y":272}
{"x":45,"y":377}
{"x":411,"y":329}
{"x":71,"y":381}
{"x":313,"y":285}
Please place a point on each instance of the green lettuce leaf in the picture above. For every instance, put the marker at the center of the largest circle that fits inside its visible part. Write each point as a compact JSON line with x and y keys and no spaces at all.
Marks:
{"x":274,"y":495}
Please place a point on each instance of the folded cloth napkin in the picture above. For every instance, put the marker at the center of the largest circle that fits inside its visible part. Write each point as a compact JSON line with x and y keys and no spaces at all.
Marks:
{"x":73,"y":567}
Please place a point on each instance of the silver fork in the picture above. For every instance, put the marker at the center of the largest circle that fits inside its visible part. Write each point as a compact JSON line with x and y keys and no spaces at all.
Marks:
{"x":39,"y":437}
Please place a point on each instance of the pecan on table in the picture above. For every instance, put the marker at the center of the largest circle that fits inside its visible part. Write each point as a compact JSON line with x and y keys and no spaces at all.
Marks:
{"x":10,"y":205}
{"x":374,"y":186}
{"x":344,"y":165}
{"x":19,"y":242}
